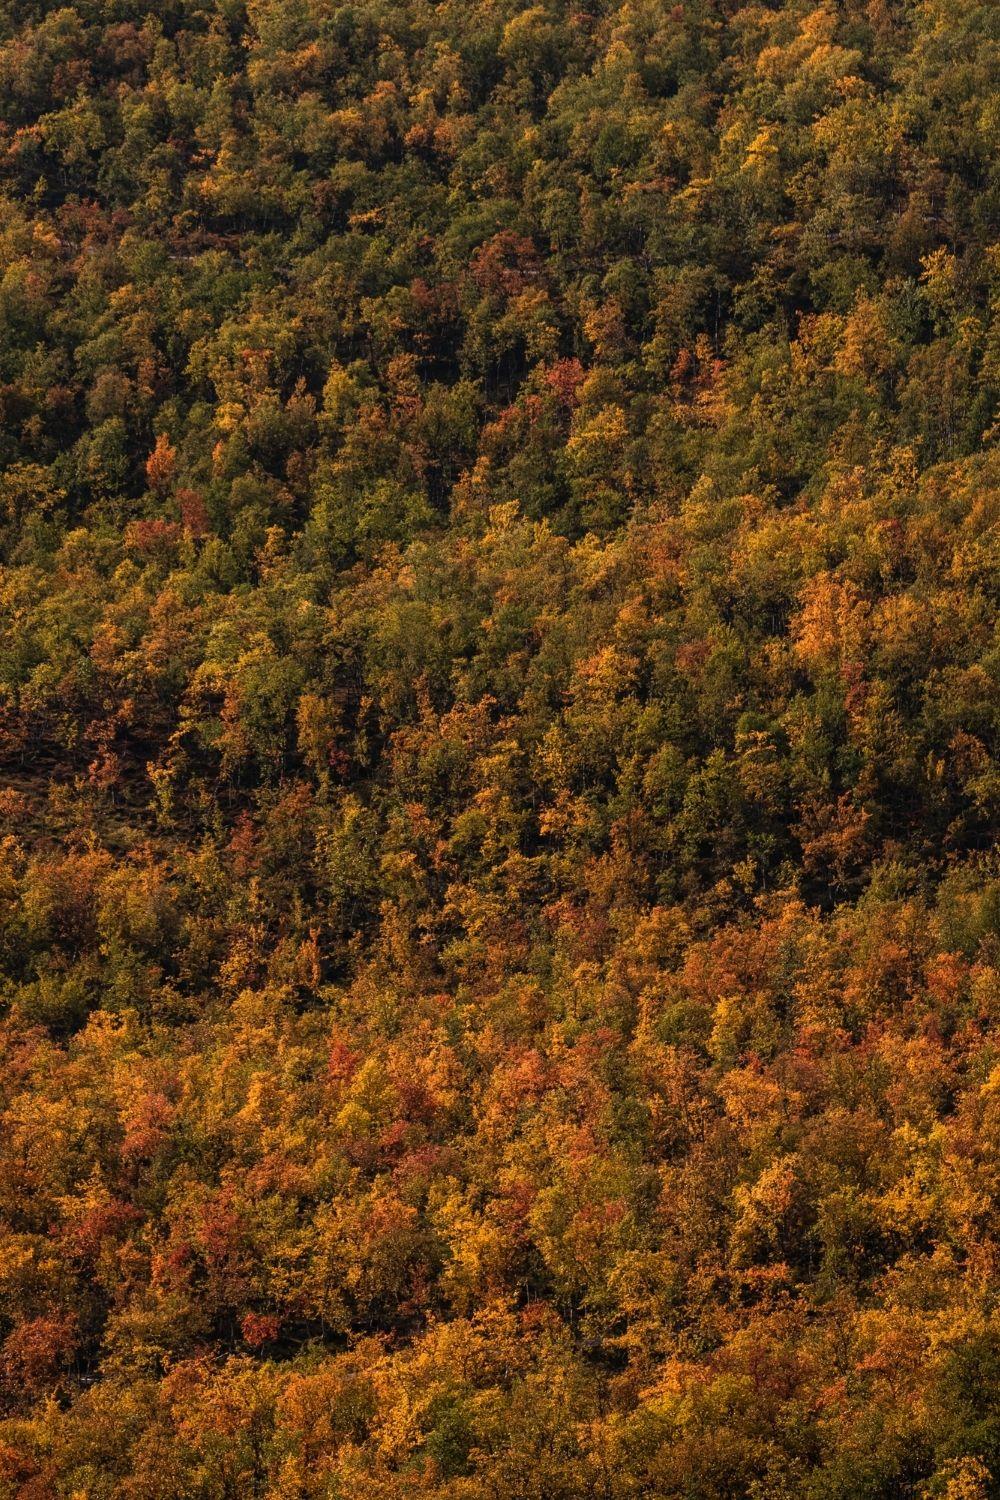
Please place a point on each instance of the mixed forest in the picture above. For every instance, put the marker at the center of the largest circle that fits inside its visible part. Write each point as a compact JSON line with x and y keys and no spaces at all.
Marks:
{"x":500,"y":750}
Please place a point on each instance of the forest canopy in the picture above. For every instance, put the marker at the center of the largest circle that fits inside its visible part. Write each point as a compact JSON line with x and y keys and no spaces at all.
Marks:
{"x":499,"y":728}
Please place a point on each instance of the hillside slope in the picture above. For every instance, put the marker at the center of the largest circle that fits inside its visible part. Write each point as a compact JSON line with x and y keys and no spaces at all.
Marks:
{"x":499,"y":725}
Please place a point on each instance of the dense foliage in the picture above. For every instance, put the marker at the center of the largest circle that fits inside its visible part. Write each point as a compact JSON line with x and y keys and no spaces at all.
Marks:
{"x":499,"y":727}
